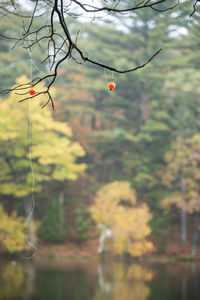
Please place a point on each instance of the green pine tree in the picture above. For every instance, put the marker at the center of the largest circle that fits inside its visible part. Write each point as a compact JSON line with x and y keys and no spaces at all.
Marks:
{"x":52,"y":228}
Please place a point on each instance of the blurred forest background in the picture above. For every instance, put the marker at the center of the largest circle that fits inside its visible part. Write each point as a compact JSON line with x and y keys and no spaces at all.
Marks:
{"x":126,"y":160}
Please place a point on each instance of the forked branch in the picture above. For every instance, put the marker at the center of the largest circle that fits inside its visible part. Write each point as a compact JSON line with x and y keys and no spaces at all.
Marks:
{"x":58,"y":52}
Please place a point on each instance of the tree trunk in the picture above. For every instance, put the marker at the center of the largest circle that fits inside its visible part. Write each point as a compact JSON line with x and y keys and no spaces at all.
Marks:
{"x":105,"y":233}
{"x":93,"y":122}
{"x":144,"y":106}
{"x":61,"y":204}
{"x":183,"y":226}
{"x":196,"y":233}
{"x":183,"y":213}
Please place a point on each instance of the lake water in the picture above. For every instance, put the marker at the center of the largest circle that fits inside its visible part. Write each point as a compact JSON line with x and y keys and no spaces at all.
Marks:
{"x":92,"y":280}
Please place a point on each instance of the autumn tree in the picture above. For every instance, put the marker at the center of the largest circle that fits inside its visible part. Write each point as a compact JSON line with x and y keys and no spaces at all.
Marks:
{"x":182,"y":176}
{"x":179,"y":87}
{"x":50,"y":162}
{"x":119,"y":217}
{"x":124,"y":133}
{"x":53,"y":152}
{"x":12,"y":231}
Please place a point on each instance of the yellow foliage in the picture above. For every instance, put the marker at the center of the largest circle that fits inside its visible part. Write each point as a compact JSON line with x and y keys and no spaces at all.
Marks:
{"x":53,"y":151}
{"x":182,"y":174}
{"x":12,"y":231}
{"x":108,"y":198}
{"x":115,"y":207}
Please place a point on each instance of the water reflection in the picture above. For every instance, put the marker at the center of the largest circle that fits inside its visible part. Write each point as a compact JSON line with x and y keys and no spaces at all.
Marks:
{"x":70,"y":280}
{"x":12,"y":281}
{"x":90,"y":280}
{"x":118,"y":281}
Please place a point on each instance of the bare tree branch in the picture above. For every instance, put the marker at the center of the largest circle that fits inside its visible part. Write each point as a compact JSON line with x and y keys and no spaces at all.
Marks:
{"x":66,"y":47}
{"x":144,"y":4}
{"x":194,"y":7}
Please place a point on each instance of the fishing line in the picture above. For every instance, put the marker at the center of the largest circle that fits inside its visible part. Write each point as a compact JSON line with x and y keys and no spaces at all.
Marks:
{"x":83,"y":30}
{"x":29,"y":221}
{"x":105,"y":75}
{"x":112,"y":76}
{"x":106,"y":78}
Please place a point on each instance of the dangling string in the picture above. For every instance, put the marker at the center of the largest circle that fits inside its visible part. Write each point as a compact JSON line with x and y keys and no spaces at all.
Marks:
{"x":105,"y":75}
{"x":112,"y":76}
{"x":32,"y":63}
{"x":83,"y":30}
{"x":30,"y":160}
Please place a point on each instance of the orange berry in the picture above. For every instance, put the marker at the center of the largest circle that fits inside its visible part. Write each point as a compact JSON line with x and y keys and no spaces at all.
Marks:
{"x":111,"y":86}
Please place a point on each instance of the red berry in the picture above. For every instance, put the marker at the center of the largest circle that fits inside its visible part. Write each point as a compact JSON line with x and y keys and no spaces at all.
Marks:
{"x":32,"y":92}
{"x":111,"y":86}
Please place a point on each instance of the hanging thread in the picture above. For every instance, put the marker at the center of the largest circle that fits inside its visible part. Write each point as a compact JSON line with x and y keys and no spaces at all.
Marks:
{"x":29,"y":221}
